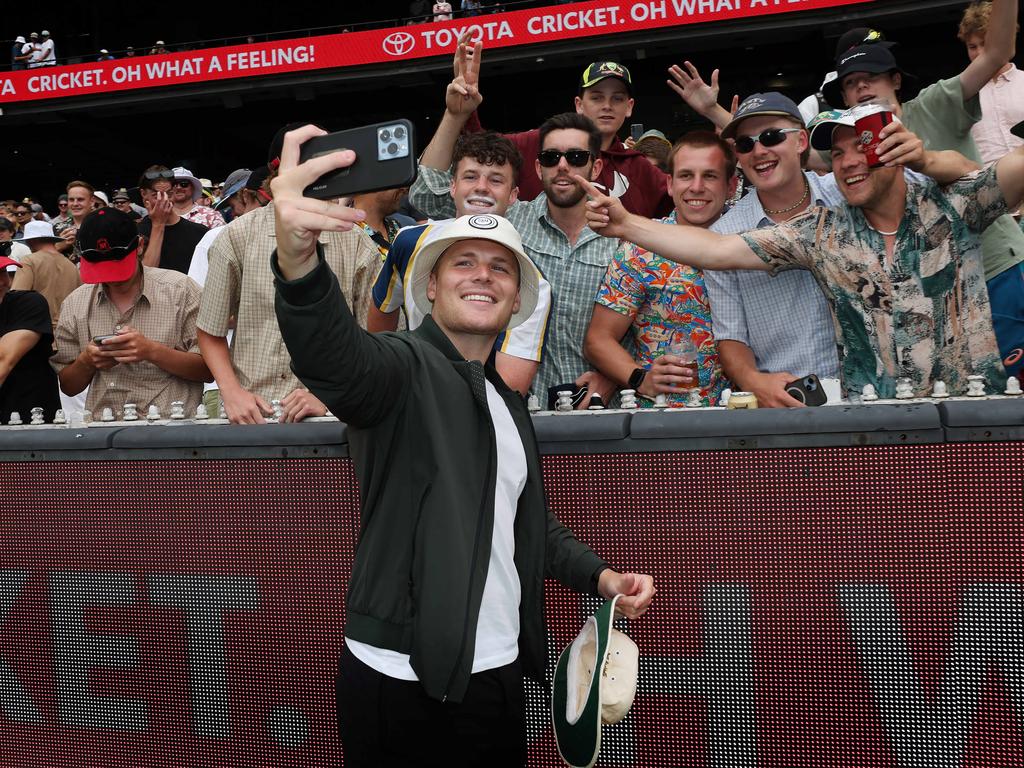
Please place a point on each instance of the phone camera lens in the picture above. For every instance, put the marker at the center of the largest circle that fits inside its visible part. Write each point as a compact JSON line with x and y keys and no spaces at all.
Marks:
{"x":399,"y":133}
{"x":392,"y":148}
{"x":385,"y":135}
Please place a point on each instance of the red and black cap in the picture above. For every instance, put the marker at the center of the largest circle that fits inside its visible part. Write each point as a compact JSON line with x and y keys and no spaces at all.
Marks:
{"x":109,"y":244}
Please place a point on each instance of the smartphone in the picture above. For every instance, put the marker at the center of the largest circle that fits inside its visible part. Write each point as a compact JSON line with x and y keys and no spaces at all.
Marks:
{"x":98,"y":340}
{"x":808,"y":391}
{"x":385,"y":159}
{"x":636,"y":130}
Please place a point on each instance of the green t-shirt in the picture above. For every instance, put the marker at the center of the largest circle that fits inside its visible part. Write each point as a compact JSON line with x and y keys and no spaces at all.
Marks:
{"x":941,"y":117}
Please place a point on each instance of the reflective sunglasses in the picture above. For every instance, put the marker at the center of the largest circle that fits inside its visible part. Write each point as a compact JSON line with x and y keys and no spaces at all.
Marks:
{"x":154,"y":175}
{"x":577,"y":158}
{"x":183,"y":184}
{"x":769,"y":137}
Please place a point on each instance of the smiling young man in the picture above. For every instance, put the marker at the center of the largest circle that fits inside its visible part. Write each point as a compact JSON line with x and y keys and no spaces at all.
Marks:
{"x":901,"y":264}
{"x":657,"y":302}
{"x":79,"y":199}
{"x":943,"y":114}
{"x":445,"y":607}
{"x":484,"y":180}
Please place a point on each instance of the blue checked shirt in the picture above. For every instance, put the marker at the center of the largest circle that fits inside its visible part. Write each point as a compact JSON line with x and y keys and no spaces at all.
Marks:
{"x":785,"y":320}
{"x":575,"y":272}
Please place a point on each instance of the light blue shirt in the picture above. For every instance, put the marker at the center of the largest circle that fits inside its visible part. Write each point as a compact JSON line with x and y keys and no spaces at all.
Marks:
{"x":785,"y":320}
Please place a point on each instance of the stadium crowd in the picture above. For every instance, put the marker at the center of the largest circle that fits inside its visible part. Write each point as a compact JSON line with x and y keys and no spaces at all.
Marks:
{"x":746,"y":256}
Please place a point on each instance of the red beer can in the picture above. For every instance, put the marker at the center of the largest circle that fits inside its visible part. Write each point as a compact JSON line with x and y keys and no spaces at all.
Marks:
{"x":869,"y":120}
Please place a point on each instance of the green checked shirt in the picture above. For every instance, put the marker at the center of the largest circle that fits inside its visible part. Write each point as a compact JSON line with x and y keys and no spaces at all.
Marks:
{"x":575,"y":272}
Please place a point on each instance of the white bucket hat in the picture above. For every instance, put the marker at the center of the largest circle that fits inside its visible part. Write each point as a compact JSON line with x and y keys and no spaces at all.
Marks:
{"x":184,"y":173}
{"x":581,"y":699}
{"x":40,"y":230}
{"x":477,"y":227}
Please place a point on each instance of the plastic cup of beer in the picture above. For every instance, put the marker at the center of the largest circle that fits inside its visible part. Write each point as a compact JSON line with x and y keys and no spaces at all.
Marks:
{"x":870,"y":119}
{"x":684,"y":349}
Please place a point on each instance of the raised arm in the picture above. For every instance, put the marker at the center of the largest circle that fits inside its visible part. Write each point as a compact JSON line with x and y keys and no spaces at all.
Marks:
{"x":701,"y":97}
{"x":1000,"y":43}
{"x":461,"y":100}
{"x":696,"y":247}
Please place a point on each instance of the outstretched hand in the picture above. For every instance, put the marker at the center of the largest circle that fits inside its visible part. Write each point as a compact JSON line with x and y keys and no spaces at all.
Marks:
{"x":699,"y":95}
{"x":637,"y":590}
{"x":605,"y":214}
{"x":463,"y":95}
{"x":299,"y":220}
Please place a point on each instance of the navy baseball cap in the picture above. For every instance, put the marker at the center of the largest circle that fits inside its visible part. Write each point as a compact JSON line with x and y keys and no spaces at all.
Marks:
{"x":759,"y":104}
{"x":602,"y":70}
{"x":870,"y":57}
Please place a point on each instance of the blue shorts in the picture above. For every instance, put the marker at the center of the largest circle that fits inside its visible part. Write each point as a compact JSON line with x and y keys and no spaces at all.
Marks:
{"x":1006,"y":297}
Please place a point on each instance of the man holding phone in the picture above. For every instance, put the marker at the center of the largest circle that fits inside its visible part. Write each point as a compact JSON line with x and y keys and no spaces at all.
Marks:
{"x":128,"y":333}
{"x":901,"y":263}
{"x":445,"y":607}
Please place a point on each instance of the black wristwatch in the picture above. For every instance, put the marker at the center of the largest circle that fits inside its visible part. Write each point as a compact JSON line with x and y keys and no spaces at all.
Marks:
{"x":636,"y":378}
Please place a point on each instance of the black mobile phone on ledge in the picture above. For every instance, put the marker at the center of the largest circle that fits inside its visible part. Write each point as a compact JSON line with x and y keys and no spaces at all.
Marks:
{"x":808,"y":391}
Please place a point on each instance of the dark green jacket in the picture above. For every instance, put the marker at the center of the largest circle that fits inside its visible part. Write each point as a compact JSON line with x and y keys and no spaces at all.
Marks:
{"x":423,"y":446}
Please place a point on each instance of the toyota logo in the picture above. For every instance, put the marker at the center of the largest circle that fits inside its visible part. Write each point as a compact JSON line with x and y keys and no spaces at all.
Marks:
{"x":398,"y":43}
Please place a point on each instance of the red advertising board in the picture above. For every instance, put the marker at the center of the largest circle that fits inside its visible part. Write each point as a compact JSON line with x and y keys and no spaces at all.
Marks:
{"x":816,"y":608}
{"x":379,"y":46}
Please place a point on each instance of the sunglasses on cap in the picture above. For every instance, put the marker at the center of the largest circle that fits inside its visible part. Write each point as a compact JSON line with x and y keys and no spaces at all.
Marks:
{"x":154,"y":175}
{"x":111,"y":254}
{"x":769,"y":137}
{"x":577,"y":158}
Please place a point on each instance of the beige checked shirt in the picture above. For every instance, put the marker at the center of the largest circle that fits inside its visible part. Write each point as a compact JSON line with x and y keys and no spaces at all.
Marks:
{"x":165,"y":312}
{"x":240,"y":283}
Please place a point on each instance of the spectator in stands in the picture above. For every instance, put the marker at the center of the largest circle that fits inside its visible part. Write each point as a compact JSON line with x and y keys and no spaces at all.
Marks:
{"x":442,"y":11}
{"x":486,"y":168}
{"x":153,"y":357}
{"x":943,"y":115}
{"x":456,"y":534}
{"x":22,"y":216}
{"x":19,"y":59}
{"x":656,"y":302}
{"x":99,"y":200}
{"x":29,"y":50}
{"x":256,"y":369}
{"x":186,"y":196}
{"x":105,"y":55}
{"x":470,"y":7}
{"x":606,"y":98}
{"x":62,"y":206}
{"x":418,"y":11}
{"x":170,"y":239}
{"x":382,"y":220}
{"x":129,"y":52}
{"x":1002,"y":97}
{"x":27,"y":380}
{"x":16,"y":250}
{"x":892,"y":251}
{"x":44,"y":55}
{"x":123,"y":202}
{"x":80,"y":195}
{"x":655,"y":147}
{"x":158,"y":48}
{"x":46,"y":270}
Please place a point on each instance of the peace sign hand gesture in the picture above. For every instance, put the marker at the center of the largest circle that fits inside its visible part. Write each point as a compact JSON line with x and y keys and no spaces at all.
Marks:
{"x":463,"y":95}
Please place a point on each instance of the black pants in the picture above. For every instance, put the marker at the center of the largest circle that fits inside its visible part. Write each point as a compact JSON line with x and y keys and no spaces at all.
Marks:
{"x":387,"y":722}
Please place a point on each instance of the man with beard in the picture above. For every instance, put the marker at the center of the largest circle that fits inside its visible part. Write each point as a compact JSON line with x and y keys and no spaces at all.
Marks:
{"x":901,"y":264}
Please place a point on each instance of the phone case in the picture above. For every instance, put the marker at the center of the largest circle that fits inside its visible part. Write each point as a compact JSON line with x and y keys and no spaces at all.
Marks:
{"x":808,"y":391}
{"x":385,"y":159}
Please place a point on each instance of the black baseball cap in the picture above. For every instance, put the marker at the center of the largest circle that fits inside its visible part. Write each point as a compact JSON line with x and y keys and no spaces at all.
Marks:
{"x":602,"y":70}
{"x":861,"y":36}
{"x":869,"y":57}
{"x":108,"y":241}
{"x":758,"y":104}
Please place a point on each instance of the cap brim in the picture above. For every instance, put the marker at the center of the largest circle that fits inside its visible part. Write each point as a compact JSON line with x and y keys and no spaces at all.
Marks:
{"x":579,"y":743}
{"x":232,"y":190}
{"x":821,"y":134}
{"x":8,"y":264}
{"x":44,"y":238}
{"x":729,"y":132}
{"x":423,"y":262}
{"x":108,"y":271}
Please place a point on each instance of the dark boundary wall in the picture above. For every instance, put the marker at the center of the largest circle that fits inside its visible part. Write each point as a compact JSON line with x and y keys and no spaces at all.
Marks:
{"x":839,"y":587}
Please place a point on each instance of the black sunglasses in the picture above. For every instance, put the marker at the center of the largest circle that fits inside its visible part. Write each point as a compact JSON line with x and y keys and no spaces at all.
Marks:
{"x":22,"y":213}
{"x":183,"y":184}
{"x":769,"y":137}
{"x":577,"y":158}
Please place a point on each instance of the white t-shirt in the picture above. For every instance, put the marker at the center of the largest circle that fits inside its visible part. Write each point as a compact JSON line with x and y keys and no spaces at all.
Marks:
{"x":45,"y":56}
{"x":497,"y":627}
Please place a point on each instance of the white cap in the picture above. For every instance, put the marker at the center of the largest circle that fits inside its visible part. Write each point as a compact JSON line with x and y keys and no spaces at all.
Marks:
{"x":45,"y":33}
{"x":40,"y":230}
{"x":159,"y":42}
{"x":19,"y":39}
{"x":102,"y":196}
{"x":478,"y":227}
